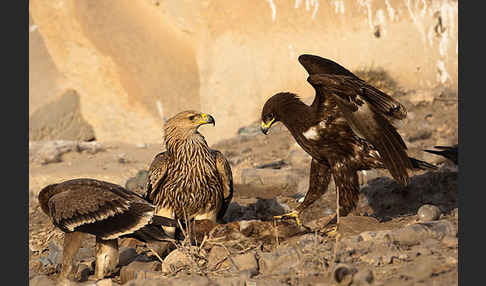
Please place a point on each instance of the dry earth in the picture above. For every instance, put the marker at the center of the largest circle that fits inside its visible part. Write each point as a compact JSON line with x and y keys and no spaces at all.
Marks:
{"x":383,"y":243}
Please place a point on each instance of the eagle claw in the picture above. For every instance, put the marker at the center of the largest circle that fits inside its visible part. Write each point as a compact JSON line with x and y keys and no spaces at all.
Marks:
{"x":293,"y":214}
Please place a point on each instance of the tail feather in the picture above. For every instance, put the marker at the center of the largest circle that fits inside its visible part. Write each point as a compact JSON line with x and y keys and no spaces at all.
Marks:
{"x":150,"y":233}
{"x":165,"y":221}
{"x":422,"y":165}
{"x":449,"y":152}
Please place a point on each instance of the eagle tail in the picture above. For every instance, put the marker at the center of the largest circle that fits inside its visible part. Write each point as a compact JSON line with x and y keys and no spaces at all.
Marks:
{"x":422,"y":165}
{"x":164,"y":221}
{"x":150,"y":233}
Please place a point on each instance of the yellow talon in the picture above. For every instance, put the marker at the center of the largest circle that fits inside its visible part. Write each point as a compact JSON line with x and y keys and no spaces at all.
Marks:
{"x":331,"y":231}
{"x":293,"y":214}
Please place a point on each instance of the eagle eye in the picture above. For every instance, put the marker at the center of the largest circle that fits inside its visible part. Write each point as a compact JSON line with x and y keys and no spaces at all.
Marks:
{"x":192,"y":117}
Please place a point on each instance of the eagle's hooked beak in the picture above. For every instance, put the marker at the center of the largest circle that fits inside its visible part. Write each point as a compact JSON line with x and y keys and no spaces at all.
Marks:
{"x":207,"y":119}
{"x":266,"y":126}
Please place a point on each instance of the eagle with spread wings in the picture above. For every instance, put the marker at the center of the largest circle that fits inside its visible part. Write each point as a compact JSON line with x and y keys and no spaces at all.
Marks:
{"x":348,"y":127}
{"x":189,"y":180}
{"x":103,"y":209}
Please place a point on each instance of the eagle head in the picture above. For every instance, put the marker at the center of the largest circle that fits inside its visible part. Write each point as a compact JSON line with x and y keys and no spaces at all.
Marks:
{"x":274,"y":109}
{"x":190,"y":120}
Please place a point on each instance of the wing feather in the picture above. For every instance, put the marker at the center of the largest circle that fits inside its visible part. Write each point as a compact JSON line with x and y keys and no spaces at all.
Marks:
{"x":96,"y":207}
{"x":226,"y":175}
{"x":156,"y":176}
{"x":368,"y":111}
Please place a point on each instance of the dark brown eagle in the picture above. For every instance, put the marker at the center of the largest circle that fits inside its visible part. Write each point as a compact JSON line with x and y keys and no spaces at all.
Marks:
{"x":189,"y":180}
{"x":103,"y":209}
{"x":449,"y":152}
{"x":347,"y":128}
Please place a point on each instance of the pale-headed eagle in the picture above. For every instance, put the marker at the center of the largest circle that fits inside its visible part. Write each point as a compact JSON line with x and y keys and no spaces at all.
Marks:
{"x":103,"y":209}
{"x":347,"y":128}
{"x":189,"y":180}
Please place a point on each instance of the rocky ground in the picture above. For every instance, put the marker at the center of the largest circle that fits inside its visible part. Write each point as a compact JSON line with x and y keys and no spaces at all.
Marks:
{"x":397,"y":236}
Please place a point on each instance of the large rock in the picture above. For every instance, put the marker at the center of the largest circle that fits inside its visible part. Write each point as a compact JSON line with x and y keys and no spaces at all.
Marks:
{"x":60,"y":119}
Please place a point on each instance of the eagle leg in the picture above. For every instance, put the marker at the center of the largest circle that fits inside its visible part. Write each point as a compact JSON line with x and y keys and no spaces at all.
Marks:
{"x":294,"y":214}
{"x":72,"y":243}
{"x":107,"y":257}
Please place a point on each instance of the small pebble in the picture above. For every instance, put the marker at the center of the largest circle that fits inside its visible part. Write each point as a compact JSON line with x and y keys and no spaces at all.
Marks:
{"x":450,"y":241}
{"x":428,"y":213}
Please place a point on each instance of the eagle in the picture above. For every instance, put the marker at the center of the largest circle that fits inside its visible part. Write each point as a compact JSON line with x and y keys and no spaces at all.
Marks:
{"x":449,"y":152}
{"x":103,"y":209}
{"x":349,"y":127}
{"x":189,"y":180}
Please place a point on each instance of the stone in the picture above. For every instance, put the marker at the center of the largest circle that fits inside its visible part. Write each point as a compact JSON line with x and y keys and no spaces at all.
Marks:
{"x":218,"y":259}
{"x":416,"y":233}
{"x":246,"y":262}
{"x":127,"y":255}
{"x":82,"y":273}
{"x":343,"y":274}
{"x":188,"y":258}
{"x":428,"y":213}
{"x":137,"y":183}
{"x":279,"y":178}
{"x":60,"y":120}
{"x":140,"y":270}
{"x":104,"y":282}
{"x":450,"y":241}
{"x":363,"y":277}
{"x":41,"y":280}
{"x":45,"y":152}
{"x":280,"y":261}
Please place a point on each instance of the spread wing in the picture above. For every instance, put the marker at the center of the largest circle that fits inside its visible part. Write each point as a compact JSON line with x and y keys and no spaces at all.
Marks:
{"x":156,"y":176}
{"x":368,"y":111}
{"x":96,"y":207}
{"x":224,"y":171}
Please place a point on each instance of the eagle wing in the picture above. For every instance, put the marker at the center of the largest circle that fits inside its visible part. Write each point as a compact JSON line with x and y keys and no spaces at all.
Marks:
{"x":96,"y":207}
{"x":368,"y":111}
{"x":156,"y":176}
{"x":225,"y":173}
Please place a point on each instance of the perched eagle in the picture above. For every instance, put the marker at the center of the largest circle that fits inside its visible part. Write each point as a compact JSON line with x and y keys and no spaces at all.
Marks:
{"x":449,"y":152}
{"x":189,"y":180}
{"x":103,"y":209}
{"x":347,"y":128}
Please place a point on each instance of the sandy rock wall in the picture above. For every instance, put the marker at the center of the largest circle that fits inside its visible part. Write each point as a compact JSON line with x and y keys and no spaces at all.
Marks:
{"x":134,"y":62}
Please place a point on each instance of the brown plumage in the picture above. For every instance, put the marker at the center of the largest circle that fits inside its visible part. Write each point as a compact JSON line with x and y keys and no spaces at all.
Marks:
{"x":449,"y":152}
{"x":347,"y":128}
{"x":189,"y":179}
{"x":103,"y":209}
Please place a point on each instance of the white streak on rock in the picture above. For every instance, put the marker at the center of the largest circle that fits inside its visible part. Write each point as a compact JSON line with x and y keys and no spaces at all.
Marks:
{"x":391,"y":11}
{"x":297,"y":3}
{"x":274,"y":10}
{"x":442,"y":74}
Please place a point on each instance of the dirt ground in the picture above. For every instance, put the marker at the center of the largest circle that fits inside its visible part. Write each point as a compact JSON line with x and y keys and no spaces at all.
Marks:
{"x":270,"y":175}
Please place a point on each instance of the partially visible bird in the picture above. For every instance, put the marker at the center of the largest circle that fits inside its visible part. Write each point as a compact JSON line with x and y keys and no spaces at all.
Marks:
{"x":189,"y":180}
{"x":449,"y":152}
{"x":103,"y":209}
{"x":348,"y":127}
